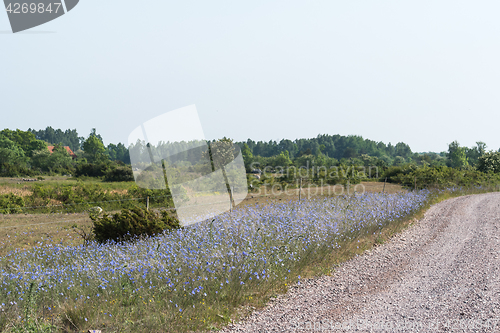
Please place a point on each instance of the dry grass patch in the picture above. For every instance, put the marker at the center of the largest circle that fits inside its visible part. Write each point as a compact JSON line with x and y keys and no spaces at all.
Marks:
{"x":22,"y":192}
{"x":24,"y":231}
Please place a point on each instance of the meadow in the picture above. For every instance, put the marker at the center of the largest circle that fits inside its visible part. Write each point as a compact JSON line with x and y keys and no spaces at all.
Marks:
{"x":198,"y":278}
{"x":192,"y":278}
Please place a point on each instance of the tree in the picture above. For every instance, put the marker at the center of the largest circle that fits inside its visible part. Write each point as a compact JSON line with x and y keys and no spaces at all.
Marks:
{"x":402,"y":149}
{"x":457,"y":157}
{"x":118,"y":153}
{"x":94,"y":148}
{"x":247,"y":156}
{"x":474,"y":153}
{"x":67,"y":138}
{"x":282,"y":160}
{"x":24,"y":140}
{"x":489,"y":162}
{"x":59,"y":160}
{"x":221,"y":153}
{"x":10,"y":152}
{"x":289,"y":146}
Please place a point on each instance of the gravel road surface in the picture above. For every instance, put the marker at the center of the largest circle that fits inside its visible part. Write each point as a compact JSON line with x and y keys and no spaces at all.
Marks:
{"x":440,"y":275}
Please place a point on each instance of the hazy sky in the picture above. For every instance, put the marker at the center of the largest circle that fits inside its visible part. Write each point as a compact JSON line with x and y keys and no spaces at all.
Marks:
{"x":422,"y":72}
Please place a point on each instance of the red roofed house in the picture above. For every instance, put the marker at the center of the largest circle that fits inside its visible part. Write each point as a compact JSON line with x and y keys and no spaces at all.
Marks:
{"x":68,"y":149}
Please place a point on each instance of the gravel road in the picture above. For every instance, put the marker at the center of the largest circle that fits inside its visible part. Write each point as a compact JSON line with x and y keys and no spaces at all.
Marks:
{"x":440,"y":275}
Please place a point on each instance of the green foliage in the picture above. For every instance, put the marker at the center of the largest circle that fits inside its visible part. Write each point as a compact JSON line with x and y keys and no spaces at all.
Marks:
{"x":395,"y":174}
{"x":336,"y":146}
{"x":159,"y":198}
{"x":457,"y":156}
{"x":59,"y":161}
{"x":118,"y":153}
{"x":281,"y":160}
{"x":489,"y":162}
{"x":94,"y":148}
{"x":99,"y":169}
{"x":72,"y":198}
{"x":221,"y":153}
{"x":247,"y":156}
{"x":67,"y":138}
{"x":109,"y":171}
{"x":131,"y":223}
{"x":443,"y":176}
{"x":68,"y":197}
{"x":10,"y":152}
{"x":474,"y":153}
{"x":119,"y":173}
{"x":10,"y":170}
{"x":26,"y":141}
{"x":11,"y":203}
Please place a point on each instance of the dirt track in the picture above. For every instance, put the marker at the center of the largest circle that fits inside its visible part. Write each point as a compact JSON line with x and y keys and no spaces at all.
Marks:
{"x":440,"y":275}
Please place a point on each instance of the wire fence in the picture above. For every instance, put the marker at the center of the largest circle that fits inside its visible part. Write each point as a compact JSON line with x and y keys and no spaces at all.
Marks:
{"x":54,"y":208}
{"x":153,"y":201}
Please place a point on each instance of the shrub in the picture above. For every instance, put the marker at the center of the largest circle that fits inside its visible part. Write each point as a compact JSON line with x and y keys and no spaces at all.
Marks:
{"x":396,"y":174}
{"x":443,"y":176}
{"x":119,"y":174}
{"x":11,"y":203}
{"x":10,"y":170}
{"x":91,"y":169}
{"x":157,"y":197}
{"x":131,"y":223}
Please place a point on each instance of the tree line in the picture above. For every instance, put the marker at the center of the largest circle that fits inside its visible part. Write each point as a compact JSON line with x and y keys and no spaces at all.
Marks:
{"x":26,"y":153}
{"x":334,"y":150}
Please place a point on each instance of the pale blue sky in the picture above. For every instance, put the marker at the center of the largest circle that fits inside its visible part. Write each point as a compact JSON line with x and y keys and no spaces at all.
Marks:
{"x":422,"y":72}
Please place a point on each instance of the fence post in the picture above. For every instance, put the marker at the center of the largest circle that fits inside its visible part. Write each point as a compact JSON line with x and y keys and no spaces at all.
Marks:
{"x":231,"y":190}
{"x":385,"y":180}
{"x":147,"y":203}
{"x":300,"y":188}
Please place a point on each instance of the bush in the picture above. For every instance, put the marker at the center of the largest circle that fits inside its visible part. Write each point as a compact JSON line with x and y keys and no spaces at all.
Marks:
{"x":157,"y":198}
{"x":131,"y":223}
{"x":11,"y":203}
{"x":92,"y":170}
{"x":10,"y":170}
{"x":119,"y":174}
{"x":396,"y":174}
{"x":443,"y":176}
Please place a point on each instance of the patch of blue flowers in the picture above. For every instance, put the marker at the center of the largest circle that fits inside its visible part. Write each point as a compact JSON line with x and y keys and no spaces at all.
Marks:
{"x":217,"y":259}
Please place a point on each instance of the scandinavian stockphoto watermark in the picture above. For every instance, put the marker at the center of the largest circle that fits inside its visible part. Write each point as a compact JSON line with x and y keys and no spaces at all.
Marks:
{"x":204,"y":178}
{"x":310,"y":180}
{"x":26,"y":14}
